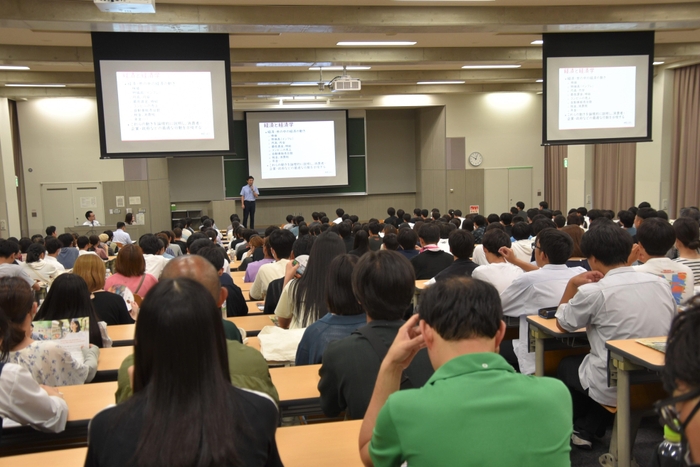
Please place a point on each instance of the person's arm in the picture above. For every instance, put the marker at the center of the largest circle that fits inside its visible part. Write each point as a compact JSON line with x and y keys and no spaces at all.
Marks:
{"x":284,"y":309}
{"x":406,"y":345}
{"x":579,"y":310}
{"x":512,"y":258}
{"x":91,"y":355}
{"x":577,"y":281}
{"x":256,"y":290}
{"x":242,"y":200}
{"x":256,"y":193}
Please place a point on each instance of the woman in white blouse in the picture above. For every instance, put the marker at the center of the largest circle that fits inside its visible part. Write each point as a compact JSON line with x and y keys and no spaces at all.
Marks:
{"x":46,"y":361}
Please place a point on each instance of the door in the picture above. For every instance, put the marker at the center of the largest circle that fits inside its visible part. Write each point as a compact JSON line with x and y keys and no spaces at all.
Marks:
{"x":88,"y":197}
{"x":519,"y":187}
{"x":57,"y":205}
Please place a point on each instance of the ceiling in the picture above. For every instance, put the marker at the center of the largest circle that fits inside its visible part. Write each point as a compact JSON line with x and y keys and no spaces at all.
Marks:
{"x":276,"y":41}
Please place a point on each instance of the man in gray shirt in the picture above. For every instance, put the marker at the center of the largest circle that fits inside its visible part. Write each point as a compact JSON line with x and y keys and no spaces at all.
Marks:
{"x":7,"y":266}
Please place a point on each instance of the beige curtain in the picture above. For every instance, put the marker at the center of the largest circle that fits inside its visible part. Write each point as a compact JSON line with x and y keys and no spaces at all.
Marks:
{"x":555,"y":177}
{"x":19,"y":169}
{"x":685,"y":152}
{"x":613,"y":175}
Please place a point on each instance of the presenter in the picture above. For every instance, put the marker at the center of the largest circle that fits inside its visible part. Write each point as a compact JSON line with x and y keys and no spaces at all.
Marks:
{"x":248,"y":195}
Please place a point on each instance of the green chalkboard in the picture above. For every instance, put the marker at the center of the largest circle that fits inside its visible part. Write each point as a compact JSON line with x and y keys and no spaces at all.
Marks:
{"x":236,"y":167}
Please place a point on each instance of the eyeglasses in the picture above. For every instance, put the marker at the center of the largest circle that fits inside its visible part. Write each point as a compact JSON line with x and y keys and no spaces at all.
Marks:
{"x":534,"y":246}
{"x":666,"y":409}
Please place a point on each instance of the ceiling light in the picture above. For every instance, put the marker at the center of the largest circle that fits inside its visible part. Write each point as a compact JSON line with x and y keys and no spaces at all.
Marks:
{"x":339,"y":68}
{"x":486,"y":67}
{"x":539,"y":81}
{"x":305,"y":83}
{"x":375,"y":43}
{"x":273,"y":64}
{"x":273,"y":84}
{"x":440,"y":82}
{"x":13,"y":67}
{"x":35,"y":85}
{"x":537,"y":42}
{"x":658,"y":63}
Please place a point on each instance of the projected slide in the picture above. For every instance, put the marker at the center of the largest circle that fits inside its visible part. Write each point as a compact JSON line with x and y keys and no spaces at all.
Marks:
{"x":297,"y":149}
{"x":597,"y":97}
{"x":156,"y":106}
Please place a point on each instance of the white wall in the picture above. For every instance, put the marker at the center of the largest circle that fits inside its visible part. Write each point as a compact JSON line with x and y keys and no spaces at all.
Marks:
{"x":60,"y":143}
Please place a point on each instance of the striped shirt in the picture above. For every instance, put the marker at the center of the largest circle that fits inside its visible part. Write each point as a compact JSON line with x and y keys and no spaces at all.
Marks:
{"x":694,"y":265}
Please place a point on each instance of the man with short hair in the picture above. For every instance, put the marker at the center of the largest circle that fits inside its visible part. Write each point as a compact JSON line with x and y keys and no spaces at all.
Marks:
{"x":480,"y":228}
{"x":153,"y":249}
{"x":90,"y":216}
{"x":235,"y":302}
{"x":83,"y":245}
{"x":654,"y":238}
{"x":498,"y":272}
{"x":392,"y":219}
{"x":51,"y":231}
{"x":8,"y":268}
{"x":122,"y":236}
{"x":345,"y":232}
{"x":475,"y":410}
{"x":408,"y":243}
{"x":68,"y":253}
{"x":281,"y":243}
{"x":612,"y":301}
{"x":521,"y":210}
{"x":431,"y":259}
{"x":541,"y":287}
{"x":249,"y":193}
{"x":462,"y":247}
{"x":340,"y":213}
{"x":53,"y":249}
{"x":383,"y":283}
{"x":544,"y":205}
{"x":627,"y":222}
{"x":375,"y":241}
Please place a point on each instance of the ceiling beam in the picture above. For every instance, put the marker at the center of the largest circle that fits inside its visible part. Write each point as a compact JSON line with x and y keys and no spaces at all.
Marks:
{"x":84,"y":16}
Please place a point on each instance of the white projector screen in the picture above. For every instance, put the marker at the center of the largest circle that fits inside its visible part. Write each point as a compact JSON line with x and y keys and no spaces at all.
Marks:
{"x":597,"y":97}
{"x":164,"y":106}
{"x":297,"y":149}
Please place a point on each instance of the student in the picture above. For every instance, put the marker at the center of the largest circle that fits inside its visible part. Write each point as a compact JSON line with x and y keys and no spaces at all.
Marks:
{"x":522,"y":243}
{"x":51,"y":231}
{"x":345,"y":232}
{"x":235,"y":302}
{"x":431,"y":259}
{"x":153,"y":249}
{"x":130,"y":271}
{"x":360,"y":244}
{"x":37,"y":268}
{"x":462,"y":247}
{"x":480,"y":228}
{"x":281,"y":243}
{"x":183,"y":397}
{"x":521,"y":210}
{"x":84,"y":246}
{"x":498,"y":272}
{"x":472,"y":402}
{"x":392,"y":219}
{"x":290,"y":222}
{"x":68,"y":253}
{"x":98,"y":248}
{"x":53,"y":249}
{"x":303,"y":300}
{"x":612,"y":301}
{"x":129,"y":219}
{"x":655,"y":237}
{"x":688,"y":243}
{"x":109,"y":307}
{"x":340,"y":213}
{"x":47,"y":362}
{"x":375,"y":241}
{"x":383,"y":283}
{"x":627,"y":222}
{"x":408,"y":242}
{"x":251,"y":270}
{"x":681,"y":378}
{"x":8,"y":268}
{"x":121,"y":235}
{"x":90,"y":219}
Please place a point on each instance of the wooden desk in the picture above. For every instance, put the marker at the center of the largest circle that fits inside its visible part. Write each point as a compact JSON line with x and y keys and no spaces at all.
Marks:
{"x":235,"y":274}
{"x":246,"y":295}
{"x":624,"y":357}
{"x":253,"y":308}
{"x":86,"y":400}
{"x":253,"y":342}
{"x":244,"y":286}
{"x":64,"y":458}
{"x":542,"y":329}
{"x":296,"y":383}
{"x":322,"y":445}
{"x":111,"y":359}
{"x":121,"y":333}
{"x":252,"y":324}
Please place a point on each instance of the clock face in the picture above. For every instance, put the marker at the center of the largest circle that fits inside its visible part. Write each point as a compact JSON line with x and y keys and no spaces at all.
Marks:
{"x":476,"y":159}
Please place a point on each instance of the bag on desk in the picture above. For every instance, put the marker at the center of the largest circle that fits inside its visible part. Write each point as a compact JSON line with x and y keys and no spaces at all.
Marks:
{"x":279,"y":345}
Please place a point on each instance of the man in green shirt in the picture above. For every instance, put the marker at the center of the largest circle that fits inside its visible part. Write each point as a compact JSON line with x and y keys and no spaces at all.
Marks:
{"x":247,"y":366}
{"x":475,"y":410}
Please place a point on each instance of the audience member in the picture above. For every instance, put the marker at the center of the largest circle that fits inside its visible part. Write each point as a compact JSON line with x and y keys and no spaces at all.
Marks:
{"x":361,"y":244}
{"x":390,"y":242}
{"x":498,"y":272}
{"x":68,"y":253}
{"x":251,"y":270}
{"x":281,"y":243}
{"x":462,"y":247}
{"x":153,"y":248}
{"x":130,"y":271}
{"x":8,"y":268}
{"x":431,"y":259}
{"x":235,"y":302}
{"x":37,"y":268}
{"x":480,"y":228}
{"x":53,"y":249}
{"x":688,"y":243}
{"x":408,"y":243}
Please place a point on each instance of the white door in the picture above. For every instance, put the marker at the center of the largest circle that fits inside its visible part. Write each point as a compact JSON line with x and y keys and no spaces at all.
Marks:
{"x":57,"y":205}
{"x":88,"y":197}
{"x":519,"y":187}
{"x":495,"y":192}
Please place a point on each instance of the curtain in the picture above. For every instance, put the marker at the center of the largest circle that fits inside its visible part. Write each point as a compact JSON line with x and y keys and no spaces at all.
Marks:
{"x":613,"y":175}
{"x":19,"y":169}
{"x":555,"y":177}
{"x":685,"y":151}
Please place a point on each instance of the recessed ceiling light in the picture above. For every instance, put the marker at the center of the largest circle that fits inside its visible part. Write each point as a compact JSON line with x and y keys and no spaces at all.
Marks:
{"x":339,"y":68}
{"x":375,"y":43}
{"x":35,"y":85}
{"x":658,"y":63}
{"x":284,"y":64}
{"x":485,"y":67}
{"x":537,"y":42}
{"x":539,"y":81}
{"x":440,"y":82}
{"x":274,"y":84}
{"x":13,"y":67}
{"x":304,"y":83}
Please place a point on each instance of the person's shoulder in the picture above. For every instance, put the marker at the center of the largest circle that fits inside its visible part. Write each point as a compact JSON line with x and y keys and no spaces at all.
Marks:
{"x":342,"y":348}
{"x":151,"y":278}
{"x":246,"y":356}
{"x":262,"y":405}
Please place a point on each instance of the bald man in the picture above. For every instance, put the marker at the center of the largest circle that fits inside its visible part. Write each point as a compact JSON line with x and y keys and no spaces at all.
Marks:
{"x":246,"y":365}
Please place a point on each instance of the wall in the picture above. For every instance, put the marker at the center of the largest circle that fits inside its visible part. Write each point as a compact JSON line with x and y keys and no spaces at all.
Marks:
{"x":9,"y":208}
{"x":391,"y":151}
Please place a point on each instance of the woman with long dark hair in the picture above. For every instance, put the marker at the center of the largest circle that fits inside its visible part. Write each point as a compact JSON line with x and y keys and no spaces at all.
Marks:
{"x":303,"y":300}
{"x":361,"y":243}
{"x":48,"y":363}
{"x":184,"y":411}
{"x":69,"y":298}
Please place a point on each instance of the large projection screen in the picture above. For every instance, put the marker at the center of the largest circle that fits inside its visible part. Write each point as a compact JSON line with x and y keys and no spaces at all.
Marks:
{"x":297,"y":149}
{"x":597,"y":87}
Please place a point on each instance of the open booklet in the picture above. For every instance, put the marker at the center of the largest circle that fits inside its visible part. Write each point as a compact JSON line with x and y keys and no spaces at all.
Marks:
{"x":72,"y":335}
{"x":656,"y":343}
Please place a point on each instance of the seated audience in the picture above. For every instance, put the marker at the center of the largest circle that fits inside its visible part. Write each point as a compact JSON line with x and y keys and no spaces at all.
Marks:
{"x":392,"y":219}
{"x":109,"y":307}
{"x":462,"y":247}
{"x":300,"y":249}
{"x":179,"y":241}
{"x":183,"y":397}
{"x":68,"y":253}
{"x":478,"y":255}
{"x":303,"y":300}
{"x":408,"y":243}
{"x":654,"y":238}
{"x":37,"y":268}
{"x":253,"y":267}
{"x":577,"y":258}
{"x":345,"y":232}
{"x":45,"y":360}
{"x":474,"y":395}
{"x":51,"y":231}
{"x":431,"y":259}
{"x":53,"y":249}
{"x":688,"y":244}
{"x":375,"y":241}
{"x":390,"y":242}
{"x":361,"y":244}
{"x":627,"y":222}
{"x":235,"y":302}
{"x":344,"y":313}
{"x":479,"y":228}
{"x":83,"y":243}
{"x":383,"y":283}
{"x":153,"y":249}
{"x":498,"y":272}
{"x":542,"y":287}
{"x":612,"y":301}
{"x":130,"y":271}
{"x":97,"y":247}
{"x":8,"y":268}
{"x":281,"y":243}
{"x":522,"y":242}
{"x":254,"y":253}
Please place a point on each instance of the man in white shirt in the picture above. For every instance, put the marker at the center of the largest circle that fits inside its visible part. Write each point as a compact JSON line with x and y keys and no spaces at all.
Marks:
{"x":655,"y":236}
{"x":612,"y":301}
{"x":121,"y":235}
{"x":340,"y":213}
{"x":498,"y":272}
{"x":53,"y":248}
{"x":83,"y":245}
{"x":522,"y":246}
{"x":153,"y":249}
{"x":281,"y":243}
{"x":8,"y":268}
{"x":90,"y":216}
{"x":542,"y":287}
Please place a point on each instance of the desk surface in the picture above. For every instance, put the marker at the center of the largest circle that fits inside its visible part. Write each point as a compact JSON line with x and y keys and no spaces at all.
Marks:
{"x":121,"y":332}
{"x":111,"y":359}
{"x":324,"y":444}
{"x":638,"y":354}
{"x":253,"y":342}
{"x":253,"y":308}
{"x":252,"y":323}
{"x":85,"y":400}
{"x":420,"y":284}
{"x":296,"y":382}
{"x":549,"y":326}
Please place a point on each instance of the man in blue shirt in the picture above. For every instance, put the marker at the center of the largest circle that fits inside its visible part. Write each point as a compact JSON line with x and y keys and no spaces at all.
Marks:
{"x":248,"y":195}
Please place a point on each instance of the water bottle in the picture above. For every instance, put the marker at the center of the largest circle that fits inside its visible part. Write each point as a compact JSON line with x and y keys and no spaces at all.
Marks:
{"x":108,"y":273}
{"x":669,"y":451}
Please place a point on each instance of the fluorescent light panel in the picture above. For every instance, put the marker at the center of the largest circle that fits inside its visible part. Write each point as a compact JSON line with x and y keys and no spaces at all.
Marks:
{"x":539,"y":81}
{"x":375,"y":43}
{"x":339,"y":68}
{"x":13,"y":67}
{"x":305,"y":83}
{"x":537,"y":42}
{"x":35,"y":85}
{"x":658,"y":63}
{"x":440,"y":82}
{"x":286,"y":83}
{"x":486,"y":67}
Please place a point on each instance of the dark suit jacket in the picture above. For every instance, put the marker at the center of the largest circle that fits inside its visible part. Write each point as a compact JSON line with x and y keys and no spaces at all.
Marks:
{"x":429,"y":263}
{"x":460,"y":267}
